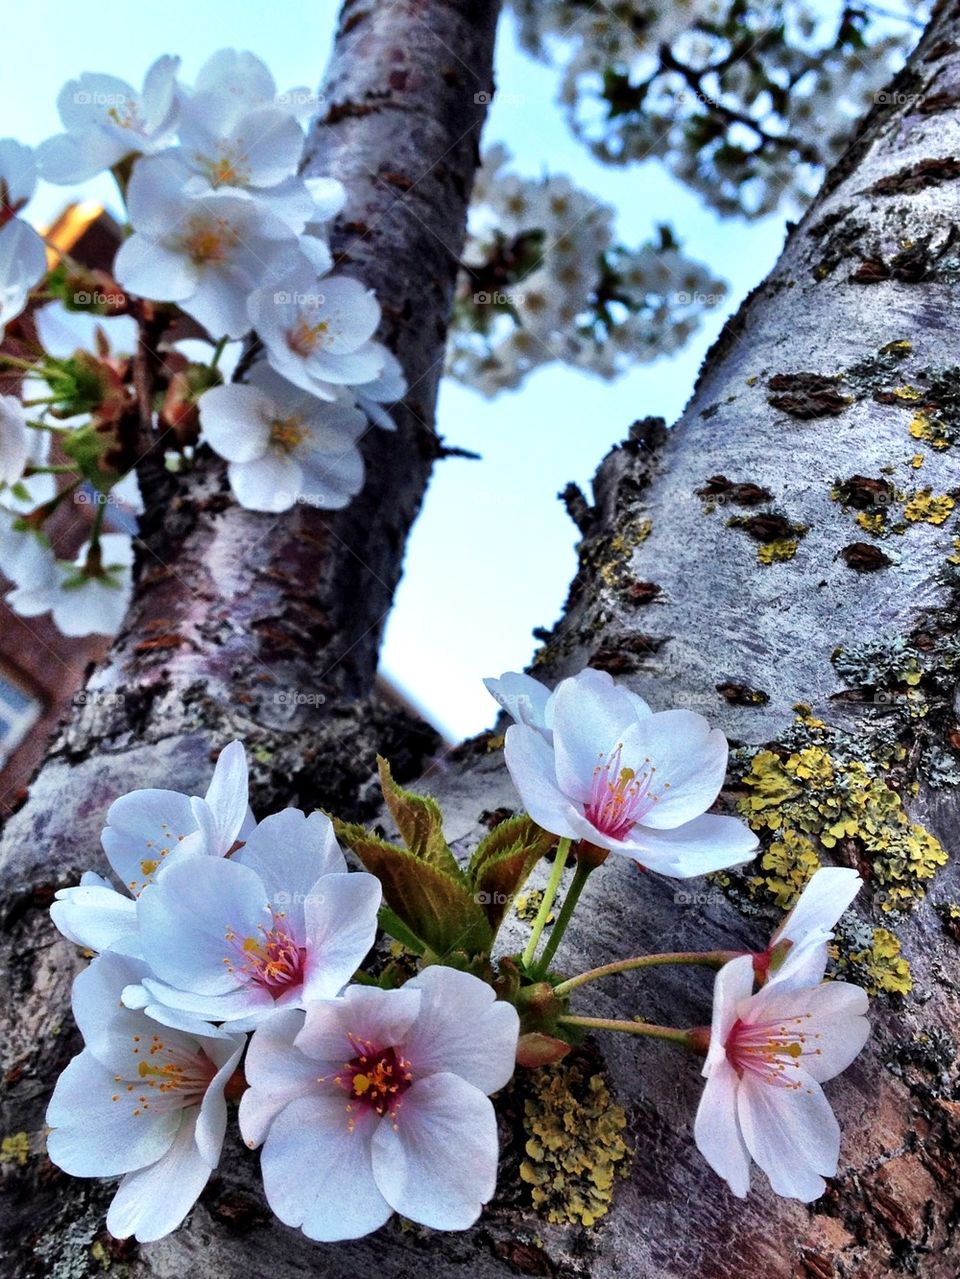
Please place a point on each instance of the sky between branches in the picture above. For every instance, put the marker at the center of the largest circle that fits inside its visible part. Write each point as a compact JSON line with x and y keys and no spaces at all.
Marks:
{"x":493,"y":551}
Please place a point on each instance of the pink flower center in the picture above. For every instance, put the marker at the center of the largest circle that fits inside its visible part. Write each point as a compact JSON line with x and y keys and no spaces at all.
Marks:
{"x":375,"y":1079}
{"x":620,"y":796}
{"x":772,"y":1051}
{"x":272,"y":960}
{"x":168,"y":1077}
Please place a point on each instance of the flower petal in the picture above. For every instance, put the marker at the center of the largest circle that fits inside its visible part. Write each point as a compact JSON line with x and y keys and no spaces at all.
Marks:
{"x":531,"y":763}
{"x":791,"y":1132}
{"x":717,"y":1132}
{"x":277,"y":1073}
{"x":154,"y":1201}
{"x":708,"y":843}
{"x":438,"y":1166}
{"x":340,"y":921}
{"x":462,"y":1028}
{"x":317,"y":1173}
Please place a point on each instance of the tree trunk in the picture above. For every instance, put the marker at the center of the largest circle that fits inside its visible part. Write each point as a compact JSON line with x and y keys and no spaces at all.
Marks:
{"x":740,"y":622}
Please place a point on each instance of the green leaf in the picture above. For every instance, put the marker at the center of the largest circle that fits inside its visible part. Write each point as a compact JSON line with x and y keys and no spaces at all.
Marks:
{"x":420,"y":823}
{"x":439,"y":911}
{"x":502,"y":863}
{"x":393,"y":925}
{"x":507,"y":835}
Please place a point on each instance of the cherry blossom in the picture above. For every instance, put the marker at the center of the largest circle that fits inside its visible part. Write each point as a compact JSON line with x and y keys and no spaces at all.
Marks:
{"x":89,"y":596}
{"x":379,"y":1103}
{"x":628,"y":779}
{"x":146,"y":831}
{"x":769,"y":1053}
{"x":279,"y":923}
{"x":142,"y":1100}
{"x":283,"y":445}
{"x":106,"y":120}
{"x":23,"y":256}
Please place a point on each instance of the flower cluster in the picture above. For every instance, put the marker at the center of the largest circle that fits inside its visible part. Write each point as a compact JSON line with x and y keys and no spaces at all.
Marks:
{"x":543,"y":279}
{"x":237,"y":960}
{"x":229,"y":242}
{"x":745,"y":103}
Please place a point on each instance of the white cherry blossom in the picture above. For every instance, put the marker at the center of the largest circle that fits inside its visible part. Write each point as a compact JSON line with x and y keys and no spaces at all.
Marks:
{"x":769,"y":1053}
{"x":142,"y":1100}
{"x":378,"y":1103}
{"x":283,"y":445}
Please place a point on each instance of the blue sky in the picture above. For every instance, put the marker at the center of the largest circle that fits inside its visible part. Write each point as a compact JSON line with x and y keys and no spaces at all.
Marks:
{"x":493,"y":551}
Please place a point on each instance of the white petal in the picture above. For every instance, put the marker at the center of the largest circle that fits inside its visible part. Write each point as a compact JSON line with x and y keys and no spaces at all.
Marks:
{"x":317,"y":1174}
{"x":154,"y":1201}
{"x":290,"y":852}
{"x":227,"y":795}
{"x":272,"y":483}
{"x":185,"y":919}
{"x":144,"y":829}
{"x":522,"y":697}
{"x":462,"y":1029}
{"x":94,"y":1136}
{"x":145,"y":266}
{"x":277,"y":1073}
{"x":731,"y":989}
{"x":439,"y":1166}
{"x":211,"y":1122}
{"x":717,"y":1132}
{"x":834,"y":1026}
{"x":94,"y":917}
{"x":826,"y":896}
{"x":791,"y":1132}
{"x":340,"y":920}
{"x":690,"y":757}
{"x":235,"y":421}
{"x":531,"y":764}
{"x":364,"y":1013}
{"x":708,"y":843}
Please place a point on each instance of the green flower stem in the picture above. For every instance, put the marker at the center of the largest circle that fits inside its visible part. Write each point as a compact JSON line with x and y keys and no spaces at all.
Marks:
{"x":671,"y":1033}
{"x":50,"y":470}
{"x":707,"y":958}
{"x":217,"y":352}
{"x":581,"y":875}
{"x":559,"y":862}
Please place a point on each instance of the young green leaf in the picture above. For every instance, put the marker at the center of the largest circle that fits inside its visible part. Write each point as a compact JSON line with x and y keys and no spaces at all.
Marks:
{"x":420,"y":823}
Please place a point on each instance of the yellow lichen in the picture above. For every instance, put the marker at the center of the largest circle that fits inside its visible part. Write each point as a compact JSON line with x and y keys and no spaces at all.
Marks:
{"x":907,"y":393}
{"x":528,"y":904}
{"x":809,"y":799}
{"x":928,"y":508}
{"x":575,"y":1146}
{"x":15,"y":1149}
{"x":615,"y":569}
{"x":778,"y":552}
{"x":880,"y":967}
{"x":930,"y":430}
{"x":916,"y":461}
{"x":872,"y":522}
{"x":955,"y":557}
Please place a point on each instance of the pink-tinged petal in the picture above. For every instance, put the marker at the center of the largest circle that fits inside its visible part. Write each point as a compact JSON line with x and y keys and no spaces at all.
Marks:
{"x":690,"y":759}
{"x":531,"y":764}
{"x":154,"y":1201}
{"x":438,"y":1166}
{"x":830,"y":1018}
{"x":95,"y":1136}
{"x":522,"y":697}
{"x":144,"y":829}
{"x":290,"y":852}
{"x":381,"y":1017}
{"x":277,"y":1073}
{"x":182,"y":1008}
{"x":318,"y":1174}
{"x":708,"y":843}
{"x":195,"y":920}
{"x":826,"y":896}
{"x":340,"y":925}
{"x":717,"y":1132}
{"x":591,"y":718}
{"x":463,"y":1029}
{"x":94,"y":917}
{"x":731,"y":989}
{"x":791,"y":1132}
{"x":211,"y":1121}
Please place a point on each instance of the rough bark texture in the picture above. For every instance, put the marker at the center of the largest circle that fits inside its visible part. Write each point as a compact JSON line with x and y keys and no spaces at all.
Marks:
{"x":873,"y":262}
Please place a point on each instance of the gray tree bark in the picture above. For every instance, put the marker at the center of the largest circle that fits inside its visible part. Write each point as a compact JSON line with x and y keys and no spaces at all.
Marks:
{"x":793,"y":399}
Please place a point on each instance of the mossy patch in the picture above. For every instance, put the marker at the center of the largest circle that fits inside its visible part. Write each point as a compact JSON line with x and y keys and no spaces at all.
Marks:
{"x":15,"y":1149}
{"x":575,"y":1147}
{"x":871,"y":958}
